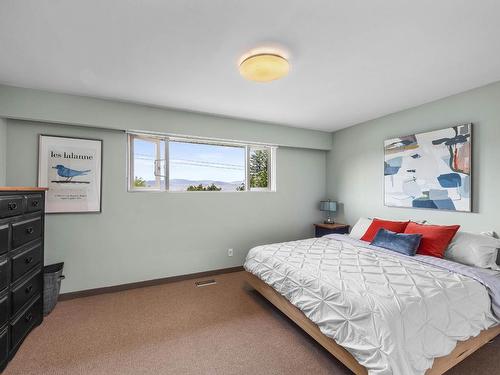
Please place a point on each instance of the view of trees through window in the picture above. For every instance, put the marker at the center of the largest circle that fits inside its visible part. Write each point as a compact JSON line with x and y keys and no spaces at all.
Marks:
{"x":259,"y":164}
{"x":200,"y":187}
{"x":139,"y":182}
{"x":196,"y":166}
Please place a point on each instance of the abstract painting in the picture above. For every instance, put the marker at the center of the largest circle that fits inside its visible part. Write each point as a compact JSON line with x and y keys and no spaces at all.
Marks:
{"x":430,"y":170}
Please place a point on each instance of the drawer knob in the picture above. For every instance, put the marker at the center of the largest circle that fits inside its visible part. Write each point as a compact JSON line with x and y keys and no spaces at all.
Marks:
{"x":29,"y":230}
{"x":28,"y":289}
{"x":28,"y":260}
{"x":28,"y":317}
{"x":35,"y":203}
{"x":12,"y":206}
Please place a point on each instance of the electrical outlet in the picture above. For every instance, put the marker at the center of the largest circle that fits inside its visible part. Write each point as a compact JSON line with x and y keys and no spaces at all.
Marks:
{"x":229,"y":252}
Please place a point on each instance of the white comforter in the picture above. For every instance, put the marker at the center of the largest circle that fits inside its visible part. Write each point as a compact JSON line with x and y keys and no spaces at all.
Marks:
{"x":392,"y":313}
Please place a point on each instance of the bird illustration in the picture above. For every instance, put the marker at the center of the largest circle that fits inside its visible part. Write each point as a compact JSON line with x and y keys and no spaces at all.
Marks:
{"x":68,"y":173}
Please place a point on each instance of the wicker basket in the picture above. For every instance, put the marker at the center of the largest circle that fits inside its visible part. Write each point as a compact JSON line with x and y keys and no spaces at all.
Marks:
{"x":52,"y":276}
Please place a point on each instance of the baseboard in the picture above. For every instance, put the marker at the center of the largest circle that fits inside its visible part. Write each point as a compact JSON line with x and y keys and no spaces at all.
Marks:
{"x":142,"y":284}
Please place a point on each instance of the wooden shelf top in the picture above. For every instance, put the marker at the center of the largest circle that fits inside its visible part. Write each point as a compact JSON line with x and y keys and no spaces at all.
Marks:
{"x":22,"y":188}
{"x":331,"y":226}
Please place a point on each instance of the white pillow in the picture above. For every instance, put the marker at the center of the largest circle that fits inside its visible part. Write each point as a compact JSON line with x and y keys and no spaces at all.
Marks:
{"x":360,"y":228}
{"x":476,"y":250}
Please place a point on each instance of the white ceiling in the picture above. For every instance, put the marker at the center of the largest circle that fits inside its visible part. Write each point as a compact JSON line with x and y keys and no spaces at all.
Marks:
{"x":351,"y":60}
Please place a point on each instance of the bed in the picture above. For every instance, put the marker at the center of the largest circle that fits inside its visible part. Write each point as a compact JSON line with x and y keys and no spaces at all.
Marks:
{"x":377,"y":311}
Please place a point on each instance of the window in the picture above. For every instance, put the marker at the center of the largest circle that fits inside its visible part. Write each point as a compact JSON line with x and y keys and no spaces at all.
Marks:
{"x":182,"y":164}
{"x":146,"y":169}
{"x":199,"y":166}
{"x":258,"y":167}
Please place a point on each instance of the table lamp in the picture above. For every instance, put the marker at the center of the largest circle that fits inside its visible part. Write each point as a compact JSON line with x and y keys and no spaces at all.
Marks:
{"x":328,"y":206}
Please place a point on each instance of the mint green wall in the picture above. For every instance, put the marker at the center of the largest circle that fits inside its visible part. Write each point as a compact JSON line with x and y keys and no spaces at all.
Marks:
{"x":37,"y":105}
{"x":142,"y":236}
{"x":355,"y":164}
{"x":3,"y":151}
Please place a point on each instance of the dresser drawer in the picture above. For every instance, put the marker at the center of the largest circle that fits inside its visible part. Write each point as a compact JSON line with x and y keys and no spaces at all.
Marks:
{"x":34,"y":203}
{"x":4,"y":273}
{"x":4,"y":345}
{"x":25,"y":321}
{"x":24,"y":292}
{"x":4,"y":238}
{"x":11,"y":206}
{"x":26,"y":231}
{"x":25,"y":261}
{"x":321,"y":231}
{"x":4,"y":309}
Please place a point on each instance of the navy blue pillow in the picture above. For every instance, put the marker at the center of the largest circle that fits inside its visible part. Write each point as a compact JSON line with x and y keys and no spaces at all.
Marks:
{"x":403,"y":243}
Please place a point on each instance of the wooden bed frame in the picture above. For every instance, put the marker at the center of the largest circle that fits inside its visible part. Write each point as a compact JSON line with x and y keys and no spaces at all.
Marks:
{"x":440,"y":366}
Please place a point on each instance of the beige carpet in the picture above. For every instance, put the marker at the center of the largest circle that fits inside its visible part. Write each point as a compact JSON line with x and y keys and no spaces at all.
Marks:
{"x":180,"y":329}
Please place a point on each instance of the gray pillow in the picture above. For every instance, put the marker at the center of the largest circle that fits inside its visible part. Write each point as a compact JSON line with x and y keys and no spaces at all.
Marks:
{"x":478,"y":250}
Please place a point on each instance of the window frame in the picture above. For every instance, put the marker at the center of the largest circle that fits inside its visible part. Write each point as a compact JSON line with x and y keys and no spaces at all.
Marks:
{"x":158,"y":139}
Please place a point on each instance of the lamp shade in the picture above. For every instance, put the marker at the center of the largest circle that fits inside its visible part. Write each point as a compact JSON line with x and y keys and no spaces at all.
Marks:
{"x":328,"y":206}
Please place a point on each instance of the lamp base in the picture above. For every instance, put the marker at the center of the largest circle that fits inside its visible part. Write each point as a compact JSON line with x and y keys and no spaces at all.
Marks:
{"x":328,"y":221}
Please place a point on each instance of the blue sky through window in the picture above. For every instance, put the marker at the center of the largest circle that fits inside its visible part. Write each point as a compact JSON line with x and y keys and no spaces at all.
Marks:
{"x":194,"y":161}
{"x":197,"y":163}
{"x":144,"y":157}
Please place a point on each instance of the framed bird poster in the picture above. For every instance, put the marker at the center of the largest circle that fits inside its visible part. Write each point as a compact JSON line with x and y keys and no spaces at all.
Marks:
{"x":72,"y":170}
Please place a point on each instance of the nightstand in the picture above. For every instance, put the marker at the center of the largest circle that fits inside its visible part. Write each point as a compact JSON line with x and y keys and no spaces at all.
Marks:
{"x":324,"y":229}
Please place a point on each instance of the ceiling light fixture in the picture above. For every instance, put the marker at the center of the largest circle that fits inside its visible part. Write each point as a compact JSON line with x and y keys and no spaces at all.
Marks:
{"x":264,"y":66}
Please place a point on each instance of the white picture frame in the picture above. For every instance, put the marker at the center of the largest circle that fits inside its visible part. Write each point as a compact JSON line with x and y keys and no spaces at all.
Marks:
{"x":71,"y":169}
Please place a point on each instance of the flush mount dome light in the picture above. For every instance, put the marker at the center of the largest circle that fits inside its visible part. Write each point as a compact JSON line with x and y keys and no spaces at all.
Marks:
{"x":264,"y":67}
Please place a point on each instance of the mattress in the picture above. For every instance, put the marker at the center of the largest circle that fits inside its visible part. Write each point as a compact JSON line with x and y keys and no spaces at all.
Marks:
{"x":392,"y":312}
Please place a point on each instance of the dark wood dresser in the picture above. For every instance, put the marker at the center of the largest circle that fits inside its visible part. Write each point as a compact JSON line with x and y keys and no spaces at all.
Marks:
{"x":323,"y":229}
{"x":21,"y":266}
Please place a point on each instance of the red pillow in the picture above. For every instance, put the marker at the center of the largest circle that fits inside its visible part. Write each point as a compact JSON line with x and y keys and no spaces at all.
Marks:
{"x":435,"y":238}
{"x":395,"y":226}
